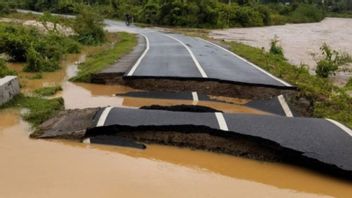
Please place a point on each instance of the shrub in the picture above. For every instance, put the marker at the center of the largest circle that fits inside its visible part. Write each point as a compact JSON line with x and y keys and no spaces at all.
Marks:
{"x":247,"y":16}
{"x":4,"y":8}
{"x":330,"y":62}
{"x":150,"y":13}
{"x":14,"y":41}
{"x":306,"y":13}
{"x":89,"y":26}
{"x":42,"y":52}
{"x":5,"y":71}
{"x":326,"y":68}
{"x":275,"y":48}
{"x":349,"y":83}
{"x":265,"y":13}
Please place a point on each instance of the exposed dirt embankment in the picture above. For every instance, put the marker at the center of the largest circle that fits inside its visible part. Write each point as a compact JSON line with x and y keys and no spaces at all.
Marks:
{"x":208,"y":88}
{"x":216,"y":141}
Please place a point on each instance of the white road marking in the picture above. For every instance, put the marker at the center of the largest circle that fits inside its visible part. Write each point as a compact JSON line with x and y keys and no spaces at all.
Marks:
{"x":103,"y":116}
{"x":86,"y":141}
{"x":201,"y":70}
{"x":285,"y":106}
{"x":341,"y":126}
{"x":221,"y":121}
{"x":253,"y":65}
{"x":135,"y":66}
{"x":195,"y":98}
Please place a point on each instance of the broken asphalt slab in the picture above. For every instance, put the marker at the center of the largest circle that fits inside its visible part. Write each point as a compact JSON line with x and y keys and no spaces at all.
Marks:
{"x":273,"y":105}
{"x":319,"y":143}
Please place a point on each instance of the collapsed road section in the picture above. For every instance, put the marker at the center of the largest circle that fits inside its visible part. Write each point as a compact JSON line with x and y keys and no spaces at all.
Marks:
{"x":276,"y":105}
{"x":324,"y":145}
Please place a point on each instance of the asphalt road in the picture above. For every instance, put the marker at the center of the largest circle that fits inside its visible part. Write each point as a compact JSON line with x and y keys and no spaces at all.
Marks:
{"x":318,"y":139}
{"x":178,"y":56}
{"x":183,"y":57}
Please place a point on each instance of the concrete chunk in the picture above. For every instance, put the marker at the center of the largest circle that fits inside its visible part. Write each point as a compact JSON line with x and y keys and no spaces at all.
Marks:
{"x":9,"y":88}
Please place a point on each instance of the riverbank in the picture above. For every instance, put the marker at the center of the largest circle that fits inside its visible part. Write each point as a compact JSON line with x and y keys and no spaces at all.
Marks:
{"x":299,"y":41}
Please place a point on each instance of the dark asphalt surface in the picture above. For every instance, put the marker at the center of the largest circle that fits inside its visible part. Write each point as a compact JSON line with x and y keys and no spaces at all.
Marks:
{"x":219,"y":64}
{"x":316,"y":138}
{"x":271,"y":105}
{"x":168,"y":57}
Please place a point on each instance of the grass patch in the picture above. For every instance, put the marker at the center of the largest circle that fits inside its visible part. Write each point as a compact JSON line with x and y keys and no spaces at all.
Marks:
{"x":123,"y":43}
{"x":349,"y":84}
{"x":37,"y":76}
{"x":340,"y":15}
{"x":4,"y":70}
{"x":47,"y":91}
{"x":329,"y":100}
{"x":40,"y":109}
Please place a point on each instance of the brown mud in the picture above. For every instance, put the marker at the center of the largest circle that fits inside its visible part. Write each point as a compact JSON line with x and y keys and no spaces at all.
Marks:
{"x":41,"y":169}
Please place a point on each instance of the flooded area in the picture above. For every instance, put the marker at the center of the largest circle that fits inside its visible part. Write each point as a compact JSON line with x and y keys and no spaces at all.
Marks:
{"x":299,"y":41}
{"x":41,"y":168}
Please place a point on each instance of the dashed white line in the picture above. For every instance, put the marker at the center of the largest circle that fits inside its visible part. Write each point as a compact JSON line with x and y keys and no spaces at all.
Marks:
{"x":222,"y":122}
{"x":135,"y":66}
{"x":285,"y":106}
{"x":104,"y":116}
{"x":341,"y":126}
{"x":253,"y":65}
{"x":195,"y":98}
{"x":201,"y":70}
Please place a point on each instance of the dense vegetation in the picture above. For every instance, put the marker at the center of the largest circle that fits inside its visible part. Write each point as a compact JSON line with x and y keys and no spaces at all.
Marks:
{"x":43,"y":50}
{"x":194,"y":13}
{"x":5,"y":71}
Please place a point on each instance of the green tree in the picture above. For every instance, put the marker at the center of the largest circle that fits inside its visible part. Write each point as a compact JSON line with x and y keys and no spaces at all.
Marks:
{"x":89,"y":26}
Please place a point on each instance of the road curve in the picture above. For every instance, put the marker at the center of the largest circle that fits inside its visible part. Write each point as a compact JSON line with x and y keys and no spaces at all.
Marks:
{"x":184,"y":57}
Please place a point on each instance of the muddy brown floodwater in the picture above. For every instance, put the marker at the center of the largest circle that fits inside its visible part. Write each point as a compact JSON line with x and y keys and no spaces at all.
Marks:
{"x":40,"y":169}
{"x":299,"y":41}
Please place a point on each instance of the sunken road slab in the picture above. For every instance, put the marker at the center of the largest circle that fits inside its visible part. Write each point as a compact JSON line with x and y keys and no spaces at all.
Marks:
{"x":273,"y":105}
{"x":325,"y":145}
{"x":317,"y":139}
